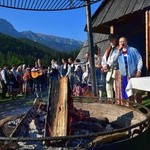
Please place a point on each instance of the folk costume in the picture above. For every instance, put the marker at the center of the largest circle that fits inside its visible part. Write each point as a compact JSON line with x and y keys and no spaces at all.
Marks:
{"x":4,"y":82}
{"x":129,"y":61}
{"x":108,"y":59}
{"x":39,"y":80}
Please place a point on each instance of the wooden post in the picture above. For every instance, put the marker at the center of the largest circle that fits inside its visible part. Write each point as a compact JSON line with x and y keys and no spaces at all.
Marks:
{"x":111,"y":29}
{"x":91,"y":47}
{"x":147,"y":23}
{"x":147,"y":20}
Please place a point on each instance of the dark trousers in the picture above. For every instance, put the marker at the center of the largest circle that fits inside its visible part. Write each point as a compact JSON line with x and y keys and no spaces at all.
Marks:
{"x":71,"y":79}
{"x":38,"y":84}
{"x":4,"y":89}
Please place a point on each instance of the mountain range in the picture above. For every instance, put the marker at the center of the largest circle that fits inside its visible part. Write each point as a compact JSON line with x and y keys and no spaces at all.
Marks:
{"x":53,"y":42}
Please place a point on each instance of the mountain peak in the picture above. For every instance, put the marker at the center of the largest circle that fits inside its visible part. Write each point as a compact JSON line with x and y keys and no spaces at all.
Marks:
{"x":52,"y":41}
{"x":7,"y":28}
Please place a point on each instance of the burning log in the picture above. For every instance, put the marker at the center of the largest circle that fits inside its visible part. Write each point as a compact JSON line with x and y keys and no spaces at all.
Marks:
{"x":109,"y":138}
{"x":23,"y":127}
{"x":64,"y":119}
{"x":60,"y":103}
{"x":5,"y":129}
{"x":9,"y":118}
{"x":8,"y":146}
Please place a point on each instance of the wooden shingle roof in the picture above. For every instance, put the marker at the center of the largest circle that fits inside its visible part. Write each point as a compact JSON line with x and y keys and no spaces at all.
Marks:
{"x":111,"y":10}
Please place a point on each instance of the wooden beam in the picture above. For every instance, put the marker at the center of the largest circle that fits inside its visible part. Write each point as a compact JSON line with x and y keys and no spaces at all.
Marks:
{"x":60,"y":121}
{"x":91,"y":47}
{"x":147,"y":20}
{"x":57,"y":119}
{"x":111,"y":29}
{"x":9,"y":118}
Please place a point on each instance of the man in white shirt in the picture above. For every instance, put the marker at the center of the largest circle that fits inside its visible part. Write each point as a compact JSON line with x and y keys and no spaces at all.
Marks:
{"x":110,"y":66}
{"x":71,"y":72}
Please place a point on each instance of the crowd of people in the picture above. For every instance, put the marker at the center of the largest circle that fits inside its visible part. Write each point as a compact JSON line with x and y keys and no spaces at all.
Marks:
{"x":119,"y":63}
{"x":19,"y":80}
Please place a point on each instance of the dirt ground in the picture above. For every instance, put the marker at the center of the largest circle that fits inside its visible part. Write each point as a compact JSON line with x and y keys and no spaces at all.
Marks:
{"x":18,"y":106}
{"x":14,"y":107}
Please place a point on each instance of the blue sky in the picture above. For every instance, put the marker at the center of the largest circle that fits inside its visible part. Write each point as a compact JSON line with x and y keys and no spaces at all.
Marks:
{"x":68,"y":23}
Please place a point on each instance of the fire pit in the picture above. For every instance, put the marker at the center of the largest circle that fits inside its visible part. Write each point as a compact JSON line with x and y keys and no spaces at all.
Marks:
{"x":131,"y":128}
{"x":79,"y":123}
{"x":132,"y":125}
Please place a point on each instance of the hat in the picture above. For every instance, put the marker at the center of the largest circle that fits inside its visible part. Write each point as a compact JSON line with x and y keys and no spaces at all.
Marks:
{"x":112,"y":36}
{"x":77,"y":60}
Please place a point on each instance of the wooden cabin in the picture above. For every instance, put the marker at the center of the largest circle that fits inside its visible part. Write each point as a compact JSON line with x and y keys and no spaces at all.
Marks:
{"x":125,"y":18}
{"x":101,"y":40}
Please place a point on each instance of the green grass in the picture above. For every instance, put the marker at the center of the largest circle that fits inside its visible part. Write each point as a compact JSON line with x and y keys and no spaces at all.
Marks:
{"x":9,"y":98}
{"x":29,"y":101}
{"x":5,"y":100}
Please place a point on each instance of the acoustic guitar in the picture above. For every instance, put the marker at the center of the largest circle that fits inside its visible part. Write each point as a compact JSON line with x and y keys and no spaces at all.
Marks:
{"x":37,"y":73}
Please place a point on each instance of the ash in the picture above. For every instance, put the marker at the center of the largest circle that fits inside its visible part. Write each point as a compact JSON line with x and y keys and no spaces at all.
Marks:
{"x":36,"y":129}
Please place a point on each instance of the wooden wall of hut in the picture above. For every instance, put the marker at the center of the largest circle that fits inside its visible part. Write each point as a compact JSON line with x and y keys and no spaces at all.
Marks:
{"x":147,"y":25}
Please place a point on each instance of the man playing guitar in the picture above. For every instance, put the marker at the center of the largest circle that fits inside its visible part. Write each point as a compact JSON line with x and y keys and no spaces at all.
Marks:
{"x":38,"y":78}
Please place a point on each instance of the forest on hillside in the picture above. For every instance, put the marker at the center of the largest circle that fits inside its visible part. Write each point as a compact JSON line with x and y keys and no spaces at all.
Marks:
{"x":24,"y":51}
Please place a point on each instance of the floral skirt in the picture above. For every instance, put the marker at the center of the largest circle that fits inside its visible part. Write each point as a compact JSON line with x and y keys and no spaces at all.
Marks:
{"x":120,"y":85}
